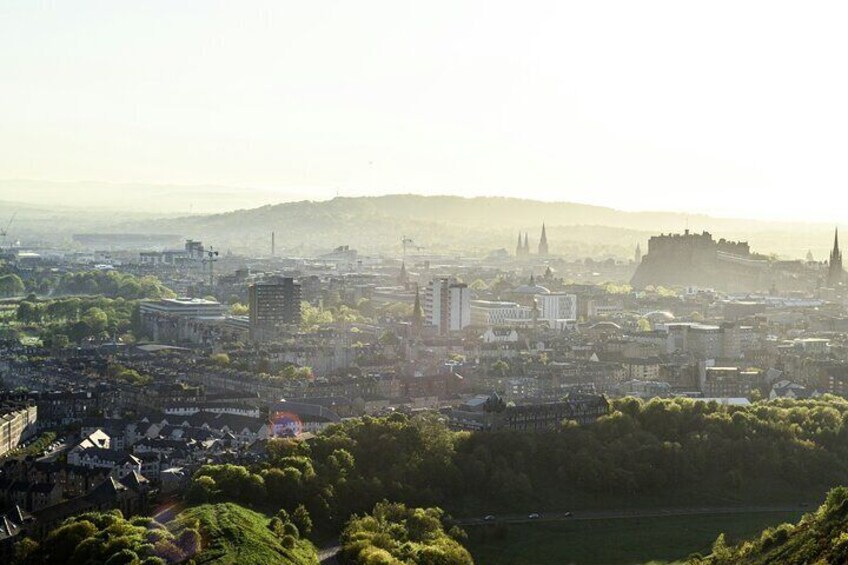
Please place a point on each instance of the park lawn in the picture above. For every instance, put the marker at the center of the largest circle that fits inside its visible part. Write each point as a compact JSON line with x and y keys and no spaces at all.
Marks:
{"x":233,"y":534}
{"x":617,"y":541}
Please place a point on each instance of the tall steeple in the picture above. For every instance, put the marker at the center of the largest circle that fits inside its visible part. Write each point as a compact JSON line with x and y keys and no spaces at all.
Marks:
{"x":417,"y":314}
{"x":638,"y":257}
{"x":834,"y":266}
{"x":526,"y":244}
{"x":519,"y":249}
{"x":543,"y":242}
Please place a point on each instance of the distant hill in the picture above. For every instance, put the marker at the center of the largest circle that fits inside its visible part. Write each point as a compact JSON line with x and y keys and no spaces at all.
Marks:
{"x":162,"y":199}
{"x":820,"y":537}
{"x":472,"y":225}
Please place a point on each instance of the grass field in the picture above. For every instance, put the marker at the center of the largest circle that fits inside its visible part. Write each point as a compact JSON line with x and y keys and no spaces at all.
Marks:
{"x":616,"y":542}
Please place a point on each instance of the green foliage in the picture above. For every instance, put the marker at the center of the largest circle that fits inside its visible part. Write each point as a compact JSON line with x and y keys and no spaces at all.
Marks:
{"x":97,"y":537}
{"x":118,"y":372}
{"x":301,"y":518}
{"x":221,"y":359}
{"x":64,"y":320}
{"x":239,"y":309}
{"x":612,"y":288}
{"x":313,"y":317}
{"x":112,"y":284}
{"x":293,"y":373}
{"x":232,"y":482}
{"x":393,"y":533}
{"x":219,"y":533}
{"x":640,"y":449}
{"x":27,"y":552}
{"x":11,"y":285}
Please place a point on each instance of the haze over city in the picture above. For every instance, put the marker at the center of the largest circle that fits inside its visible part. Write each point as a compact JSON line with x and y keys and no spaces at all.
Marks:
{"x":727,"y":109}
{"x":443,"y":283}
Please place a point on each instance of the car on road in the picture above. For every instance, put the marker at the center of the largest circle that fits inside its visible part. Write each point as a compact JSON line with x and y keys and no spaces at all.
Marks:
{"x":488,"y":518}
{"x":567,"y":515}
{"x":534,"y":516}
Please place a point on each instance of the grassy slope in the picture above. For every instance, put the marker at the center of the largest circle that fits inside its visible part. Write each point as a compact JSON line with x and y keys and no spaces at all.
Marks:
{"x":234,"y":534}
{"x":819,"y":537}
{"x":615,"y":542}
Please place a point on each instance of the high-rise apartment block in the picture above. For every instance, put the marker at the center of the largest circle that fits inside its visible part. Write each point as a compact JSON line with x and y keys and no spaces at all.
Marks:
{"x":273,"y":303}
{"x":447,"y":305}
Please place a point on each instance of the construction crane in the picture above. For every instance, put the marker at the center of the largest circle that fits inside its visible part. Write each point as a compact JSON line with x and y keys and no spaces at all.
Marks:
{"x":5,"y":231}
{"x":407,"y":242}
{"x":211,"y":257}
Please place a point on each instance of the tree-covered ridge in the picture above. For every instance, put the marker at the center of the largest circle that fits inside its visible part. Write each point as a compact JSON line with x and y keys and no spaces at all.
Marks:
{"x":820,"y":537}
{"x":394,"y":535}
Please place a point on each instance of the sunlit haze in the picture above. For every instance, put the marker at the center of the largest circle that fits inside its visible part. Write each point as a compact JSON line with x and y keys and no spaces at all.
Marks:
{"x":725,"y":107}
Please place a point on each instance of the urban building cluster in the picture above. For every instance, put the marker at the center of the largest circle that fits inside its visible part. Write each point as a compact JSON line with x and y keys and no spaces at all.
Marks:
{"x":253,"y":348}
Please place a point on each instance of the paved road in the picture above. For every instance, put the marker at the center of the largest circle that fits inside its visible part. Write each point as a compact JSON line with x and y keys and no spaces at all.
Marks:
{"x":327,"y":555}
{"x":629,"y":514}
{"x":53,"y":455}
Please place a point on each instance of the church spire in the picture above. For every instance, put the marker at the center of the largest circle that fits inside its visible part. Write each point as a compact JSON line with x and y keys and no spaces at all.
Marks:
{"x":417,"y":315}
{"x":834,"y":266}
{"x":543,"y":242}
{"x":526,"y":244}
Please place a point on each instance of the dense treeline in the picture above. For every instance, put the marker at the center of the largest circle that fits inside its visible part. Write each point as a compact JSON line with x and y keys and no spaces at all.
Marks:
{"x":819,"y":537}
{"x":61,"y":321}
{"x":110,"y":311}
{"x":111,"y":284}
{"x":393,"y":533}
{"x":659,"y":448}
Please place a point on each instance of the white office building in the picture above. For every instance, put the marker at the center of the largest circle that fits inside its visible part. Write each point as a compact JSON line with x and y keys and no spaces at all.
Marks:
{"x":490,"y":313}
{"x":557,"y":309}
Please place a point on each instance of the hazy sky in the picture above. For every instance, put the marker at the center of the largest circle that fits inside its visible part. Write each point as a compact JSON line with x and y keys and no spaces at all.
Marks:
{"x":726,"y":107}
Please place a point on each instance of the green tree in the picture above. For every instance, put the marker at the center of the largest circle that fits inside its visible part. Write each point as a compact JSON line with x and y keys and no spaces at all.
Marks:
{"x":11,"y":285}
{"x":96,"y":320}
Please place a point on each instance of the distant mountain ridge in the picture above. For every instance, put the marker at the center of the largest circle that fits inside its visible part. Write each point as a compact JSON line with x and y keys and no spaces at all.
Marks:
{"x":472,"y":225}
{"x":163,"y":199}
